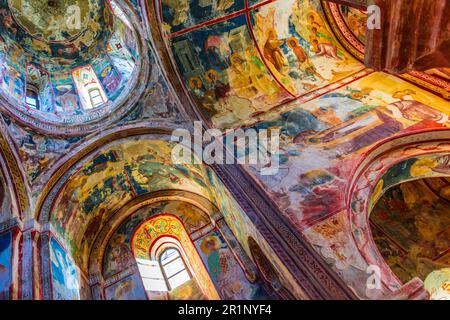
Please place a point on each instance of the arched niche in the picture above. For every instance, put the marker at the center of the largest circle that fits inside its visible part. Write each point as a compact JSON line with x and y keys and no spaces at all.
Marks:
{"x":114,"y":174}
{"x":14,"y":213}
{"x":409,"y":157}
{"x":147,"y":242}
{"x":410,"y":223}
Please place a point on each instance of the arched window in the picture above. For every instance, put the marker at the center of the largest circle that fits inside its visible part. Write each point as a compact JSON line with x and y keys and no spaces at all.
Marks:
{"x":166,"y":274}
{"x":32,"y":97}
{"x":174,"y":268}
{"x":96,"y":97}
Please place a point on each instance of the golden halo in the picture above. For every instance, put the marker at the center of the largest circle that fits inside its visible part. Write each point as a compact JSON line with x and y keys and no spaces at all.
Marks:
{"x":195,"y":83}
{"x":235,"y":57}
{"x":214,"y":239}
{"x":213,"y":73}
{"x":311,"y":15}
{"x":292,"y":39}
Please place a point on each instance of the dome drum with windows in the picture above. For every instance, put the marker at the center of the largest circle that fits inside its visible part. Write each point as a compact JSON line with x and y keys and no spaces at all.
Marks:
{"x":66,"y":65}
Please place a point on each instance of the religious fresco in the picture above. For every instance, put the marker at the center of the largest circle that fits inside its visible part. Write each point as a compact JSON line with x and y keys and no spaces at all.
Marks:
{"x":12,"y":82}
{"x":243,"y":227}
{"x":5,"y":265}
{"x":47,"y":39}
{"x":135,"y":238}
{"x":129,"y":288}
{"x":5,"y":201}
{"x":437,"y":284}
{"x":252,"y":63}
{"x":167,"y":226}
{"x":118,"y":256}
{"x":238,"y":69}
{"x":410,"y":169}
{"x":182,"y":14}
{"x":356,"y":21}
{"x":221,"y":264}
{"x":65,"y":282}
{"x":37,"y":57}
{"x":225,"y":271}
{"x":111,"y":179}
{"x":109,"y":77}
{"x":302,"y":57}
{"x":322,"y":140}
{"x":37,"y":152}
{"x":66,"y":96}
{"x":40,"y":80}
{"x":411,"y":227}
{"x":158,"y":101}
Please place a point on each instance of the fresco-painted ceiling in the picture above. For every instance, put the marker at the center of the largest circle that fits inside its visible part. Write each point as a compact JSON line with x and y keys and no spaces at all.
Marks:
{"x":260,"y":56}
{"x":411,"y":227}
{"x":356,"y":21}
{"x":51,"y":20}
{"x":63,"y":51}
{"x":288,"y":65}
{"x":52,"y":34}
{"x":111,"y":179}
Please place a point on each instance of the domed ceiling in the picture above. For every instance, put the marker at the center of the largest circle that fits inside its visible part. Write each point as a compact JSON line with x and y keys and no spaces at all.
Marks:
{"x":66,"y":62}
{"x":56,"y":34}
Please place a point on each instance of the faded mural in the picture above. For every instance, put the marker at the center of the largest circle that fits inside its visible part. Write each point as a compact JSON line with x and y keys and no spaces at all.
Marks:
{"x":238,"y":69}
{"x":411,"y":225}
{"x":5,"y":265}
{"x":244,"y":63}
{"x":65,"y":282}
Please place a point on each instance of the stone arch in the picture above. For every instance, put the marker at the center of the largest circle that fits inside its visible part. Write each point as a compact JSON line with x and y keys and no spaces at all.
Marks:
{"x":12,"y":178}
{"x":365,"y":189}
{"x":82,"y":161}
{"x":204,"y":205}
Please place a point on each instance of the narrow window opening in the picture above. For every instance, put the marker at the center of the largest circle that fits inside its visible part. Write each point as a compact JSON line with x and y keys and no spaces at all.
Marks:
{"x":96,"y":97}
{"x":32,"y":97}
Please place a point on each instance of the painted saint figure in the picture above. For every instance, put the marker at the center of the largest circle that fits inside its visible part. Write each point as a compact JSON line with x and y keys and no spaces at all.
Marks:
{"x":303,"y":59}
{"x":273,"y":52}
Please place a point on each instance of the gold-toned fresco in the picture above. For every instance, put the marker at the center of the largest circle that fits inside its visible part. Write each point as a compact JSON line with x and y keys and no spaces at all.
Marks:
{"x":146,"y":229}
{"x":322,"y":140}
{"x":166,"y":225}
{"x":54,"y":20}
{"x":356,"y":21}
{"x":275,"y":64}
{"x":49,"y":33}
{"x":411,"y":227}
{"x":241,"y":66}
{"x":111,"y":179}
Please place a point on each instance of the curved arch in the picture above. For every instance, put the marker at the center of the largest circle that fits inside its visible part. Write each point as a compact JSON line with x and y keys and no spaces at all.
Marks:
{"x":169,"y":225}
{"x":12,"y":171}
{"x":364,"y":189}
{"x":342,"y":31}
{"x":55,"y":178}
{"x":102,"y":239}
